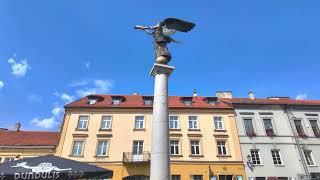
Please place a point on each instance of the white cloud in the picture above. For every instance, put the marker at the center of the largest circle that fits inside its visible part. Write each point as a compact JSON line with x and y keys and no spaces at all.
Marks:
{"x":46,"y":123}
{"x":35,"y":98}
{"x":1,"y":84}
{"x":49,"y":123}
{"x":66,"y":97}
{"x":302,"y":96}
{"x":56,"y":111}
{"x":99,"y":87}
{"x":19,"y":69}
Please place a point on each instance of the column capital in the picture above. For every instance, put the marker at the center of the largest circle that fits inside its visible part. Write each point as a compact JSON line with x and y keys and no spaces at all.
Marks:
{"x":161,"y":69}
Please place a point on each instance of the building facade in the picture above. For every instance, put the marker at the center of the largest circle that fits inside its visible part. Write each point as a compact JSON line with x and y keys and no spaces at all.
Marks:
{"x":114,"y":131}
{"x":16,"y":145}
{"x":279,"y":137}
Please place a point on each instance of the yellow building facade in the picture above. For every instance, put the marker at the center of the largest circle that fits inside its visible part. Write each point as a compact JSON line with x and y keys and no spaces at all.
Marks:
{"x":117,"y":135}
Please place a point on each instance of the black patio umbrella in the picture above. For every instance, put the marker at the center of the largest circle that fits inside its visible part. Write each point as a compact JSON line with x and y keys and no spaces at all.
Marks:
{"x":51,"y":167}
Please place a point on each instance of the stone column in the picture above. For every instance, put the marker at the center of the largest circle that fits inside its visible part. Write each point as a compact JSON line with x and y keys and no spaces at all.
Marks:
{"x":160,"y":157}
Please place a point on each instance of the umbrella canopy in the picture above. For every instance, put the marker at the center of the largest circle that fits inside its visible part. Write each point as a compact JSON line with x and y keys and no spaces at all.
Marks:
{"x":51,"y":167}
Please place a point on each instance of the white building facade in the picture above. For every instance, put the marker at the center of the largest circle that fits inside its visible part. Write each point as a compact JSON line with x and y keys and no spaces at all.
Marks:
{"x":279,"y":138}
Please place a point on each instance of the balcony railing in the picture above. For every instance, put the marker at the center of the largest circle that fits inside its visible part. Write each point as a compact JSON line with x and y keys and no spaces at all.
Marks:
{"x":129,"y":157}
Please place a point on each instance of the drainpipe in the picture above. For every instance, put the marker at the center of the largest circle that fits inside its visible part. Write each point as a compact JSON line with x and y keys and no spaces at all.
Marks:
{"x":297,"y":140}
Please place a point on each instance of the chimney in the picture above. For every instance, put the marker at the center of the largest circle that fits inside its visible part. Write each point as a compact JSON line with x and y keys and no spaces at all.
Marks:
{"x":195,"y":94}
{"x":224,"y":94}
{"x":17,"y":126}
{"x":251,"y":95}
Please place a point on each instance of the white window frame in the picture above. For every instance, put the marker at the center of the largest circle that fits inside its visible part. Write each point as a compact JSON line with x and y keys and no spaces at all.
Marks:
{"x":110,"y":122}
{"x":175,"y":145}
{"x":140,"y":121}
{"x":279,"y":153}
{"x":221,"y":123}
{"x":107,"y":146}
{"x":199,"y":145}
{"x":221,"y":146}
{"x":178,"y":122}
{"x":311,"y":156}
{"x":139,"y":144}
{"x":79,"y":120}
{"x":260,"y":157}
{"x":116,"y":101}
{"x":73,"y":146}
{"x":195,"y":122}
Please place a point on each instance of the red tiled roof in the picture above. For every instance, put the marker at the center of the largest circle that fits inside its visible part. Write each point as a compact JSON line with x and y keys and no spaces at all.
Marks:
{"x":28,"y":138}
{"x":286,"y":101}
{"x":136,"y":101}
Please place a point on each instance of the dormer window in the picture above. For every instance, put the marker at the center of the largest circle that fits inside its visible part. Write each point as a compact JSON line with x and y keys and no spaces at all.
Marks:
{"x":148,"y":101}
{"x":187,"y":101}
{"x":93,"y":99}
{"x":212,"y":100}
{"x":116,"y":100}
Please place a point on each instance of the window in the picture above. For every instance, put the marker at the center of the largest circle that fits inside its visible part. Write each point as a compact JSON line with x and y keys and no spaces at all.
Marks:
{"x":193,"y":122}
{"x":225,"y":177}
{"x":92,"y":101}
{"x":148,"y":101}
{"x":309,"y":158}
{"x":196,"y":177}
{"x":174,"y":122}
{"x":276,"y":157}
{"x":222,"y":150}
{"x":77,"y":148}
{"x":195,"y":147}
{"x":137,"y":147}
{"x":175,"y":177}
{"x":106,"y":122}
{"x":249,"y":126}
{"x":102,"y":148}
{"x":83,"y":122}
{"x":299,"y":128}
{"x":255,"y":157}
{"x":218,"y":122}
{"x":315,"y":127}
{"x":116,"y":100}
{"x":174,"y":147}
{"x":268,"y":126}
{"x":139,"y":122}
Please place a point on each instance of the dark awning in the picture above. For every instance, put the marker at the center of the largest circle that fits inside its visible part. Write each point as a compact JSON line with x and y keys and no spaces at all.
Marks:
{"x":51,"y":167}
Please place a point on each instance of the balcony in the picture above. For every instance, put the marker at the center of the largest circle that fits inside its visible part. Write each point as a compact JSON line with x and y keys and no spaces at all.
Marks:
{"x":129,"y":157}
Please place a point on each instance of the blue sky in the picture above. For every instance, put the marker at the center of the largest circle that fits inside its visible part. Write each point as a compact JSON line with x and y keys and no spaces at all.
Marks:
{"x":53,"y":52}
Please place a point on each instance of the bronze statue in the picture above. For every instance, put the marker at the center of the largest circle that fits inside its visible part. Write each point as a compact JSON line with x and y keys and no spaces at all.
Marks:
{"x":161,"y":34}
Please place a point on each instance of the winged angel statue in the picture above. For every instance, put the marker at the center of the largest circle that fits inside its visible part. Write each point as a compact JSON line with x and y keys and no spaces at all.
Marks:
{"x":161,"y":34}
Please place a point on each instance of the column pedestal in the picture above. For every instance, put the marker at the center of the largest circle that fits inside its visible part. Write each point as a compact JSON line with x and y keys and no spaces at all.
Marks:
{"x":160,"y":157}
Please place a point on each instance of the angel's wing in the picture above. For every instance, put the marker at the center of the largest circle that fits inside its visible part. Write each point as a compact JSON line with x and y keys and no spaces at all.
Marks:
{"x":170,"y":24}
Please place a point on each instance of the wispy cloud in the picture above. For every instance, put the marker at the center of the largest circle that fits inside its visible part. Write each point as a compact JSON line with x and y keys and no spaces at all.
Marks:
{"x":66,"y":97}
{"x":302,"y":96}
{"x":1,"y":84}
{"x":51,"y":122}
{"x":78,"y":83}
{"x":35,"y":98}
{"x":19,"y":69}
{"x":47,"y":123}
{"x":99,"y":86}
